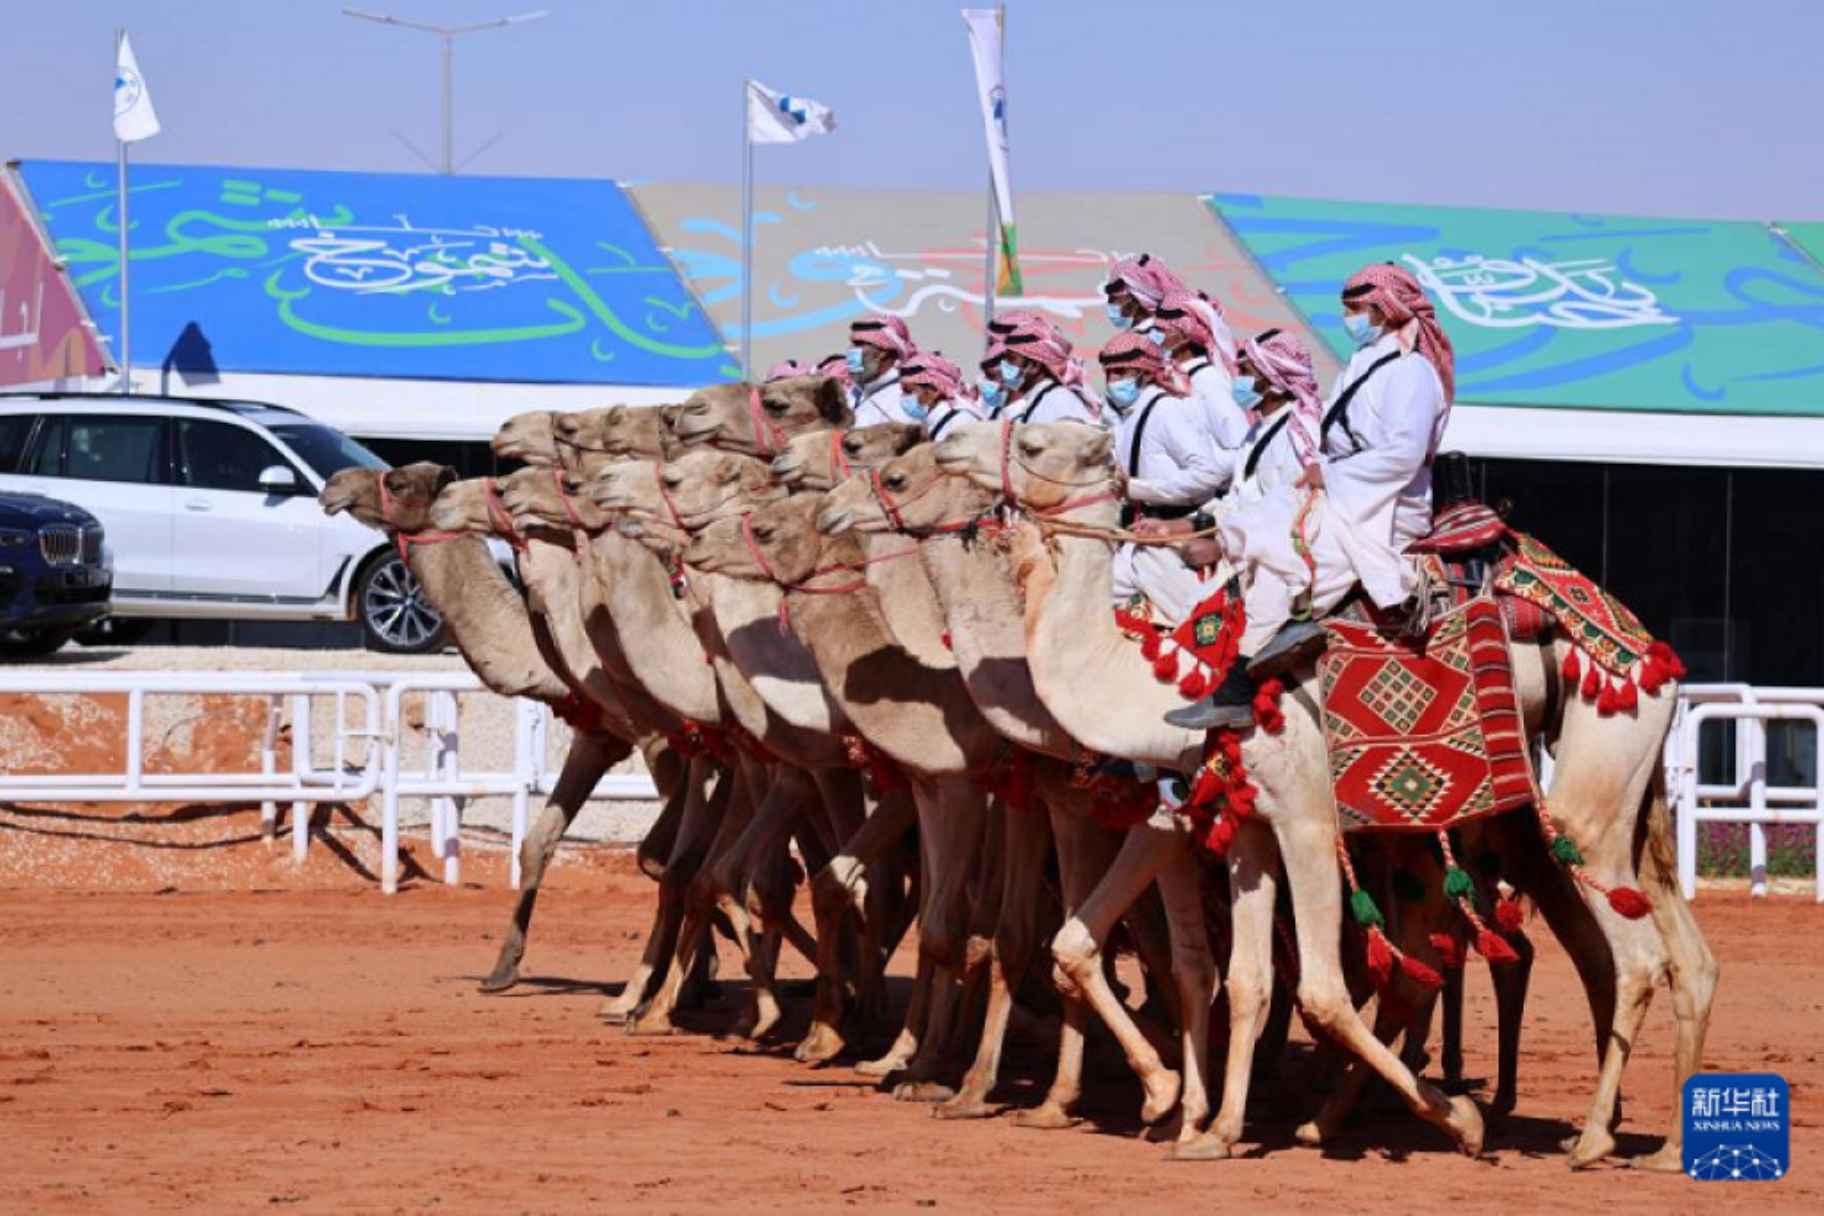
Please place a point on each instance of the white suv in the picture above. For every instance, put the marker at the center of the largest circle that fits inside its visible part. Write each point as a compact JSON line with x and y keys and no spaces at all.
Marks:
{"x":211,"y":510}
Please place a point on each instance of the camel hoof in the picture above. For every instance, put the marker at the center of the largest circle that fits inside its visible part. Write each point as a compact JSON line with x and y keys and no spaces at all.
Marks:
{"x":617,"y":1011}
{"x":1310,"y":1133}
{"x":963,"y":1106}
{"x":922,"y":1091}
{"x":500,"y":979}
{"x":1161,"y":1096}
{"x":820,"y":1046}
{"x":763,"y":1025}
{"x":1465,"y":1123}
{"x":1591,"y":1147}
{"x":651,"y":1027}
{"x":1668,"y":1160}
{"x":1207,"y":1147}
{"x":883,"y":1067}
{"x":1047,"y":1118}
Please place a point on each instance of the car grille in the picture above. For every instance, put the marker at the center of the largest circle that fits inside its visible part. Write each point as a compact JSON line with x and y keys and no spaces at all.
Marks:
{"x":61,"y":544}
{"x":91,"y":546}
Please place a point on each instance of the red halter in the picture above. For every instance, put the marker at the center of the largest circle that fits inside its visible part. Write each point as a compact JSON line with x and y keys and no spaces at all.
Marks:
{"x":1069,"y":504}
{"x":658,"y":473}
{"x":405,"y":540}
{"x":563,"y":496}
{"x":769,"y":437}
{"x":840,"y":469}
{"x":499,"y":519}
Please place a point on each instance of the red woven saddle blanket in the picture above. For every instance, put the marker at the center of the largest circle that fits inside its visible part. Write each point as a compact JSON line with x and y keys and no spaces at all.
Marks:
{"x":1423,"y":735}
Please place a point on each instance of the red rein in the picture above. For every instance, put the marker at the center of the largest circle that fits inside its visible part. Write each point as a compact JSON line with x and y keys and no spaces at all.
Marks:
{"x":769,"y":437}
{"x":405,"y":540}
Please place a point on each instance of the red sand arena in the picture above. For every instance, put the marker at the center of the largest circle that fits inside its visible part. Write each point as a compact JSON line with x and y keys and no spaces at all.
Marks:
{"x":191,"y":1023}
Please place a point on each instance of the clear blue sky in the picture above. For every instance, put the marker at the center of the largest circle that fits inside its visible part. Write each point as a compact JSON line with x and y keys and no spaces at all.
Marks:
{"x":1679,"y":107}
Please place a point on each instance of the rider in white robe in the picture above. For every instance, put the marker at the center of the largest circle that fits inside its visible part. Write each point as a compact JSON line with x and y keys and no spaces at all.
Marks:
{"x":937,"y":394}
{"x":878,"y":344}
{"x":1032,"y":374}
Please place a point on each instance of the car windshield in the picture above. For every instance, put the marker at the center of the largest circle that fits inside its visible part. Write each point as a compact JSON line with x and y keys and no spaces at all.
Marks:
{"x":327,"y":450}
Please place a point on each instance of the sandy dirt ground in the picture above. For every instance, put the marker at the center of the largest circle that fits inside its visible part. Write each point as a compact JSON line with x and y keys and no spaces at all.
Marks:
{"x":326,"y":1051}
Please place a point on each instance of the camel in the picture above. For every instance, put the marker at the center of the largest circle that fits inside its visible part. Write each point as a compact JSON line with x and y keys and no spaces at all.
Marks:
{"x":757,"y":420}
{"x":1607,"y":790}
{"x":500,"y":641}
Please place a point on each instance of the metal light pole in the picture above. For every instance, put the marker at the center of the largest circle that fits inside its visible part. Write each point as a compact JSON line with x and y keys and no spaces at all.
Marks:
{"x":448,"y":33}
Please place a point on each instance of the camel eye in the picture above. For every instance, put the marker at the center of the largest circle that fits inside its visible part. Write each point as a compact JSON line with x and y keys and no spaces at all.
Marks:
{"x":774,"y":407}
{"x":895,"y":481}
{"x":763,"y":532}
{"x":1030,"y":448}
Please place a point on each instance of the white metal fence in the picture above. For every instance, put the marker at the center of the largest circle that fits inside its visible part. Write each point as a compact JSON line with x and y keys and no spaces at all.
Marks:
{"x":358,"y":759}
{"x":1746,"y":795}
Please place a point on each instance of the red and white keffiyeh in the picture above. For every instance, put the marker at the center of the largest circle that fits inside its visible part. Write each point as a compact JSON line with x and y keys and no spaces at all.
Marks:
{"x":1400,"y":298}
{"x":883,"y":332}
{"x":929,"y":369}
{"x":1194,"y":317}
{"x":786,"y":369}
{"x":1145,"y":278}
{"x":1136,"y":354}
{"x":1283,"y":362}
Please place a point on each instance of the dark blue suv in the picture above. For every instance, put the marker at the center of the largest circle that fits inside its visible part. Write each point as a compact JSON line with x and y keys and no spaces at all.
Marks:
{"x":54,"y":578}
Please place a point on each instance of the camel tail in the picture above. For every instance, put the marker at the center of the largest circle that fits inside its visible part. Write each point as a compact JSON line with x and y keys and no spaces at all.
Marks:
{"x":1655,"y":852}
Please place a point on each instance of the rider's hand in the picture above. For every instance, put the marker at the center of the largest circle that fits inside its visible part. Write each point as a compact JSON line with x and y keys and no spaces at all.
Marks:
{"x":1312,"y":477}
{"x":1146,"y":526}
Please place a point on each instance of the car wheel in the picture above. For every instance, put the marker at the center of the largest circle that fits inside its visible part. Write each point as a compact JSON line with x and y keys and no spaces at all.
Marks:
{"x":34,"y":643}
{"x":115,"y":631}
{"x":394,"y":615}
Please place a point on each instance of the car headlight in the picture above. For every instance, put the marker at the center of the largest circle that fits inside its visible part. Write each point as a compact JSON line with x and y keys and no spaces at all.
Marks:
{"x":12,"y":538}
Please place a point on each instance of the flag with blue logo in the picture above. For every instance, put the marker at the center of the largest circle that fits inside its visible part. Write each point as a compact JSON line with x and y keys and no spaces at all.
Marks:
{"x":985,"y":42}
{"x":134,"y":117}
{"x":780,"y":118}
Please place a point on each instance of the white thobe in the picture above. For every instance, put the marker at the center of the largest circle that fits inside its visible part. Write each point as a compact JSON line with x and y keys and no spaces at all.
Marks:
{"x":1376,"y":500}
{"x":952,"y":412}
{"x":1164,"y":446}
{"x":1049,"y":402}
{"x":880,"y":402}
{"x":1214,"y":390}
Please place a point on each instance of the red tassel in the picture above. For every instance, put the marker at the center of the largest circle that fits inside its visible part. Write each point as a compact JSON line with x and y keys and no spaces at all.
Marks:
{"x":1221,"y":835}
{"x":1450,"y":950}
{"x":1606,"y":702}
{"x":1149,"y":646}
{"x":1652,"y":675}
{"x":1380,"y":957}
{"x":1591,"y":683}
{"x":945,"y":637}
{"x":1419,"y":973}
{"x":1267,"y":714}
{"x":1668,"y":659}
{"x":1508,"y":914}
{"x":1629,"y":902}
{"x":1493,"y":947}
{"x":1569,"y":671}
{"x":1193,"y":686}
{"x":1165,"y":667}
{"x":1627,"y":697}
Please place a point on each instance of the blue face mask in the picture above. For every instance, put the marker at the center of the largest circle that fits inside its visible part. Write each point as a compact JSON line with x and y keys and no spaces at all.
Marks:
{"x":1011,"y":373}
{"x":1119,"y":319}
{"x":914,"y":409}
{"x":1246,"y":395}
{"x":1123,"y":392}
{"x":1361,"y":330}
{"x":994,"y":396}
{"x":854,"y":361}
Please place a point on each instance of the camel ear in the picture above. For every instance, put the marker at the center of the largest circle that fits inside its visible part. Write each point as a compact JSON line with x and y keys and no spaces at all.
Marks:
{"x":833,"y":402}
{"x":445,"y":475}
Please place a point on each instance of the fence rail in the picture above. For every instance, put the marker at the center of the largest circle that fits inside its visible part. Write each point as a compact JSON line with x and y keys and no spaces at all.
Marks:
{"x":378,"y":735}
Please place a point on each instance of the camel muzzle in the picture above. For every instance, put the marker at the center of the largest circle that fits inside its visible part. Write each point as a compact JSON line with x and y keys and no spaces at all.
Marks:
{"x":833,"y":521}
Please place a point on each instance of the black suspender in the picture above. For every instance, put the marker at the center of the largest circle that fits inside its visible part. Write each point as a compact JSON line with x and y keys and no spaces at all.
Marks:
{"x":1260,"y":448}
{"x":1040,"y":398}
{"x":1146,"y":414}
{"x":947,"y":420}
{"x":1339,"y":413}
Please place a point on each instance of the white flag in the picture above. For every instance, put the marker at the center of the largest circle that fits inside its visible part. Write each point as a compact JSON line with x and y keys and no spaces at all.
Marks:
{"x":985,"y":47}
{"x":779,"y":118}
{"x":134,"y":117}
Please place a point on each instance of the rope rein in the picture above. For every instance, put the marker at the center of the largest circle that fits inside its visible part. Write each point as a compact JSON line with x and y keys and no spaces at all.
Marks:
{"x":403,"y":540}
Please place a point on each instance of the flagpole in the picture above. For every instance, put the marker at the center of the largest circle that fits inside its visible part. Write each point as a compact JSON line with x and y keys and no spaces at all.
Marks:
{"x":988,"y":270}
{"x":120,"y":208}
{"x":747,"y":233}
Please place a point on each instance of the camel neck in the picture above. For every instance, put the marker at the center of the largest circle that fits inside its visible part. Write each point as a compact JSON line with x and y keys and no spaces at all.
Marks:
{"x":486,"y":617}
{"x":650,"y":627}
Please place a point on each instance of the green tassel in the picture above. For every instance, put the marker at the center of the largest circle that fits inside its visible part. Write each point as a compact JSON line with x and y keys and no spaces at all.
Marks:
{"x":1361,"y":906}
{"x":1407,"y":888}
{"x":1457,"y":884}
{"x":1564,"y":851}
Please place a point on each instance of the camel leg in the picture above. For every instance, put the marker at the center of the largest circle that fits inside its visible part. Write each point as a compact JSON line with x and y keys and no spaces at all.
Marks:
{"x":1511,"y":981}
{"x":669,"y":771}
{"x":688,"y":844}
{"x":763,"y":864}
{"x":1307,"y":846}
{"x":1693,"y":971}
{"x":1253,"y":863}
{"x":839,"y":886}
{"x":700,"y":904}
{"x":1078,"y":950}
{"x":951,"y":815}
{"x":1181,"y":885}
{"x":1026,"y":838}
{"x":590,"y":756}
{"x":1451,"y":999}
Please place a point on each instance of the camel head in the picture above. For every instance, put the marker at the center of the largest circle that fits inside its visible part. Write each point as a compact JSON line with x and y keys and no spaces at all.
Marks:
{"x":589,"y":439}
{"x":776,"y":543}
{"x":909,"y":493}
{"x":547,"y":500}
{"x":1044,"y":464}
{"x":758,"y":419}
{"x":817,"y":460}
{"x":626,"y":485}
{"x":704,"y":486}
{"x":530,"y":437}
{"x":463,"y":506}
{"x":398,"y":500}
